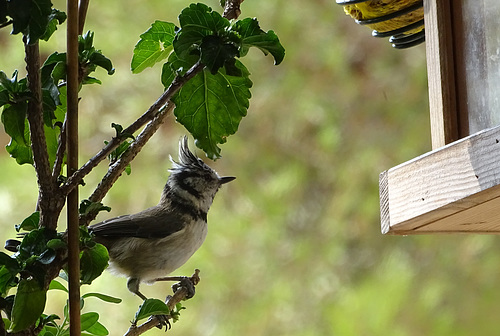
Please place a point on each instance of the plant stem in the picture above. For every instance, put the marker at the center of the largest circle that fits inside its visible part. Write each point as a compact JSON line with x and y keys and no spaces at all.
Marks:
{"x":82,"y":14}
{"x":72,"y":166}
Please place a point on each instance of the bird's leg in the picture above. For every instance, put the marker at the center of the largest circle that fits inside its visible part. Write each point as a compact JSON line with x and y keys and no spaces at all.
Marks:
{"x":133,"y":286}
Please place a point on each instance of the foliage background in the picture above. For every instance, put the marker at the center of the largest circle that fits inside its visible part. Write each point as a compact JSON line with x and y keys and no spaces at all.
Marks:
{"x":294,"y":245}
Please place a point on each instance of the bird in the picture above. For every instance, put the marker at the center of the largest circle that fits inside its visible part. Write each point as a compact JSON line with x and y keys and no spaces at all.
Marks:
{"x":153,"y":243}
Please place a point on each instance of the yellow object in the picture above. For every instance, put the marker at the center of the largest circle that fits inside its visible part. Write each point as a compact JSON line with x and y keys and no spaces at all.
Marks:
{"x":377,"y":8}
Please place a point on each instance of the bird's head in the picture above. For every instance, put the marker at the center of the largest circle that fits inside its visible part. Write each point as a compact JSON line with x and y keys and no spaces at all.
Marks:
{"x":193,"y":179}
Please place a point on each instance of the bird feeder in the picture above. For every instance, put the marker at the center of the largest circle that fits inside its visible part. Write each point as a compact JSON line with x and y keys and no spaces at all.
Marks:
{"x":456,"y":186}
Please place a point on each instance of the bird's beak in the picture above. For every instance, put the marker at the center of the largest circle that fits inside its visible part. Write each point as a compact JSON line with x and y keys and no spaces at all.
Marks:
{"x":226,"y":179}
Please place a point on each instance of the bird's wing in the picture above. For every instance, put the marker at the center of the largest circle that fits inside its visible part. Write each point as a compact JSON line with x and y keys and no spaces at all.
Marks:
{"x":140,"y":225}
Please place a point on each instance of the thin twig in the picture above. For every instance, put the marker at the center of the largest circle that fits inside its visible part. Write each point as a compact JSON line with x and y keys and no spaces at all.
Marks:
{"x":61,"y":149}
{"x":82,"y":14}
{"x":119,"y":166}
{"x":153,"y":110}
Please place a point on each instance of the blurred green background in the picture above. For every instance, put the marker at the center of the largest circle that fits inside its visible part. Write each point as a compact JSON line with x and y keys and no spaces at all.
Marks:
{"x":294,"y":244}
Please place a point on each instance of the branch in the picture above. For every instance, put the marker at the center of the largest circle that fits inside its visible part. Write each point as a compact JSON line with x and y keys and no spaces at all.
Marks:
{"x":82,"y":14}
{"x":153,"y":111}
{"x":61,"y":149}
{"x":48,"y":201}
{"x":119,"y":166}
{"x":232,"y":9}
{"x":180,"y":294}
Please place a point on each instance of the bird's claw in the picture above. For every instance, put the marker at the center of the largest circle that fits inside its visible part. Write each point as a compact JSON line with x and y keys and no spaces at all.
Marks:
{"x":163,"y":321}
{"x":186,"y":283}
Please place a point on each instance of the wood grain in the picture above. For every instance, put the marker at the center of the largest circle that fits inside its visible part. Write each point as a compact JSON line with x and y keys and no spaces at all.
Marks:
{"x":453,"y":189}
{"x":441,"y":72}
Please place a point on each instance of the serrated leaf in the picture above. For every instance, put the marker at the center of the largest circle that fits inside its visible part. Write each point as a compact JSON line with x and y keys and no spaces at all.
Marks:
{"x":30,"y":222}
{"x":29,"y":303}
{"x":253,"y":36}
{"x":212,"y":106}
{"x":103,"y":297}
{"x":197,"y":21}
{"x":151,"y":307}
{"x":93,"y":261}
{"x":215,"y":52}
{"x":154,"y":45}
{"x":199,"y":15}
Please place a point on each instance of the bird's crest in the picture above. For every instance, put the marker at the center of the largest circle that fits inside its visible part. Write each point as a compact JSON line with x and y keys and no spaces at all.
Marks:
{"x":187,"y":160}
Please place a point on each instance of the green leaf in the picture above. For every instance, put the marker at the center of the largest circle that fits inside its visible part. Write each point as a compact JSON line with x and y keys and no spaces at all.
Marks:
{"x":20,"y":14}
{"x":4,"y":96}
{"x":176,"y":66}
{"x":40,"y":11}
{"x":215,"y":52}
{"x":154,"y":46}
{"x":14,"y":121}
{"x":7,"y":279}
{"x":197,"y":21}
{"x":93,"y":261}
{"x":253,"y":36}
{"x":30,"y":222}
{"x":87,"y":206}
{"x":199,"y":17}
{"x":103,"y":297}
{"x":56,"y":244}
{"x":56,"y":17}
{"x":54,"y":284}
{"x":151,"y":307}
{"x":87,"y":320}
{"x":97,"y":329}
{"x":21,"y":151}
{"x":8,"y":261}
{"x":29,"y":303}
{"x":212,"y":106}
{"x":102,"y":61}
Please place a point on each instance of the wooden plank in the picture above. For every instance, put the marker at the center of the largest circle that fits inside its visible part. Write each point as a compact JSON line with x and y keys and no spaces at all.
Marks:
{"x":441,"y":72}
{"x":452,"y":189}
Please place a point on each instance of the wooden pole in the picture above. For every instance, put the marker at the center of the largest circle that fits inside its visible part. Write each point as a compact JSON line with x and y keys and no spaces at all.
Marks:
{"x":72,"y":164}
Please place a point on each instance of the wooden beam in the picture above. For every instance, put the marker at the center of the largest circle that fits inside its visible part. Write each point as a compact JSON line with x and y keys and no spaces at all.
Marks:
{"x":452,"y":189}
{"x":441,"y":72}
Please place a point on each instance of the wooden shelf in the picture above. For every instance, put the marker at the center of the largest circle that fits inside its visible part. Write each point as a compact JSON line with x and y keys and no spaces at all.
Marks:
{"x":455,"y":188}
